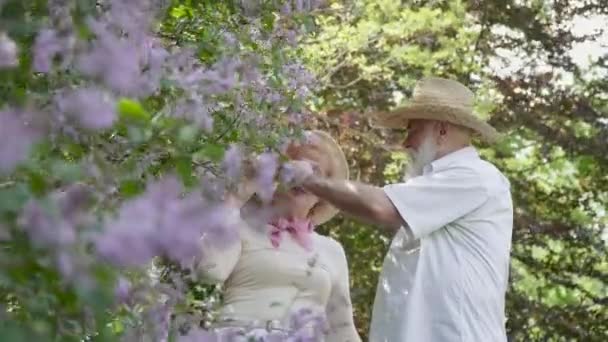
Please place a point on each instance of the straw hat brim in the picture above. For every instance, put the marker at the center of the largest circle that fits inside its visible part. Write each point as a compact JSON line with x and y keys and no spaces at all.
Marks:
{"x":399,"y":118}
{"x":338,"y":169}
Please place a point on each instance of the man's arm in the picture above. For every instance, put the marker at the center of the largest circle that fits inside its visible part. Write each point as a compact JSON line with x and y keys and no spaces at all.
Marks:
{"x":366,"y":202}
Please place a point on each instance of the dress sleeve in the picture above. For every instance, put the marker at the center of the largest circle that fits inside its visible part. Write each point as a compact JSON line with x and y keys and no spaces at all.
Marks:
{"x":339,"y":309}
{"x":216,"y":262}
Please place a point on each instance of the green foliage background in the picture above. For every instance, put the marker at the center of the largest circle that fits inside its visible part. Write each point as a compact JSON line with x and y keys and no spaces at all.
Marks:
{"x":552,"y":112}
{"x":367,"y":55}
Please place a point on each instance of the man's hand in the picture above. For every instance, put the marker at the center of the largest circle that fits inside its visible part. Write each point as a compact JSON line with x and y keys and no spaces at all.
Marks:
{"x":366,"y":202}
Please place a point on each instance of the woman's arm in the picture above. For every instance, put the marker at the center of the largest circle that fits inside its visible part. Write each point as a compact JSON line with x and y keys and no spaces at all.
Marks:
{"x":216,"y":265}
{"x":339,"y":309}
{"x":216,"y":261}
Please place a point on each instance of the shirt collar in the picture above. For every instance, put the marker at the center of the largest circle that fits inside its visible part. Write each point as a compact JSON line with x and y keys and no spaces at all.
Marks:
{"x":465,"y":153}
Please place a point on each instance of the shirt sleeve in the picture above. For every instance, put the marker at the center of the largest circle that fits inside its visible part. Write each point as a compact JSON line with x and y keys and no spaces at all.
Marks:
{"x":429,"y":202}
{"x":339,"y":309}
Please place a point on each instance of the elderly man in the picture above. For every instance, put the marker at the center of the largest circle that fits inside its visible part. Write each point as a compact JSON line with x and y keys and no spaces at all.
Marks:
{"x":445,"y":276}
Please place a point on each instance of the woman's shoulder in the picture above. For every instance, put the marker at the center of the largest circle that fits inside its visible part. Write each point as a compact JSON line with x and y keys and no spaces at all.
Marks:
{"x":330,"y":245}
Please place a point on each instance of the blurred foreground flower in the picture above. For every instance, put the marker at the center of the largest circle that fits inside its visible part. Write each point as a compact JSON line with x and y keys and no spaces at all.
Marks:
{"x":266,"y":167}
{"x":46,"y":47}
{"x":16,"y":139}
{"x":162,"y":222}
{"x":92,"y":108}
{"x":305,"y":326}
{"x":8,"y":52}
{"x":232,"y":163}
{"x":54,"y":224}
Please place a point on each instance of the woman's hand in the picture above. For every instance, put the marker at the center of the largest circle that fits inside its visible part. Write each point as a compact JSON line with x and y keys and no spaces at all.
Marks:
{"x":245,"y":188}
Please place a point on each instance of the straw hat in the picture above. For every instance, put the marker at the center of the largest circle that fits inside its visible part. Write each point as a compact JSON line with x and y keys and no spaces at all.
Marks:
{"x":439,"y":99}
{"x":337,"y":169}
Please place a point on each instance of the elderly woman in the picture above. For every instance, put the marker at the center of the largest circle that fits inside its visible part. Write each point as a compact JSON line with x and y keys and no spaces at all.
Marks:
{"x":276,"y":272}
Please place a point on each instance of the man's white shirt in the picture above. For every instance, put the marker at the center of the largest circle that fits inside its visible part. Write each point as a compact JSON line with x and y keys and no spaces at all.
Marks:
{"x":446,"y":274}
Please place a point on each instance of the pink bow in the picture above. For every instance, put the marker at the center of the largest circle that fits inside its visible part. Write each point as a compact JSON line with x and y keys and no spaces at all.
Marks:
{"x":300,"y":230}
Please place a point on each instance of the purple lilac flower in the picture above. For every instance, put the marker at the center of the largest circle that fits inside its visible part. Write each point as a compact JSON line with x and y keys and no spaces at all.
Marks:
{"x":53,"y":225}
{"x":196,"y":109}
{"x":274,"y":97}
{"x":132,"y":238}
{"x":133,"y":17}
{"x":16,"y":139}
{"x":221,"y":78}
{"x":249,"y":69}
{"x":72,"y":200}
{"x":295,"y":118}
{"x":286,"y":8}
{"x":60,"y":12}
{"x":161,"y":222}
{"x":212,"y":186}
{"x":221,"y":225}
{"x":45,"y":228}
{"x":65,"y":264}
{"x":198,"y":335}
{"x":287,"y":174}
{"x":292,"y":37}
{"x":299,"y":78}
{"x":184,"y":70}
{"x":266,"y":168}
{"x":306,"y":325}
{"x":298,"y":6}
{"x":230,"y":40}
{"x":114,"y":60}
{"x":131,"y":64}
{"x":8,"y":52}
{"x":160,"y":319}
{"x":92,"y":108}
{"x":122,"y":290}
{"x":186,"y":221}
{"x":46,"y":47}
{"x":232,"y":162}
{"x":154,"y":58}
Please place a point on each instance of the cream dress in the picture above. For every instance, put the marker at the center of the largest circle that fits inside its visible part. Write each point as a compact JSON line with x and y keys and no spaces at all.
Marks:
{"x":264,"y":285}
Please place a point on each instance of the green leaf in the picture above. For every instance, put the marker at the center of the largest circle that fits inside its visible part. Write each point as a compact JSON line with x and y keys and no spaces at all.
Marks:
{"x":132,"y":111}
{"x":37,"y":182}
{"x":210,"y":152}
{"x":68,"y":172}
{"x":179,"y":11}
{"x":184,"y":170}
{"x":13,"y":198}
{"x":131,"y":188}
{"x":136,"y":134}
{"x":188,"y":134}
{"x":117,"y":327}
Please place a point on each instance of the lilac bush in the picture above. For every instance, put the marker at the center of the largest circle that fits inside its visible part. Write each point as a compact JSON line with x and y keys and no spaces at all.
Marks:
{"x":16,"y":138}
{"x":123,"y":124}
{"x":8,"y":51}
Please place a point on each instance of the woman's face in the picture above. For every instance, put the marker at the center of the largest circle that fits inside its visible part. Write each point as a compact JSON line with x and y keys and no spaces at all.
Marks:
{"x":296,"y":201}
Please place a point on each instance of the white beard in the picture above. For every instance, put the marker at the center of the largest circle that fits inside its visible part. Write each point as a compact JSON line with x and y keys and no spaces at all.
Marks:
{"x":427,"y":152}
